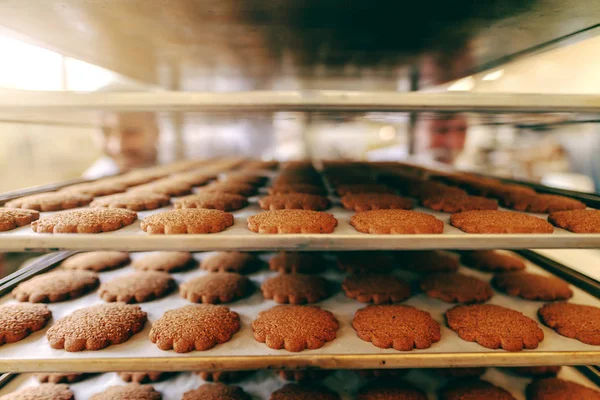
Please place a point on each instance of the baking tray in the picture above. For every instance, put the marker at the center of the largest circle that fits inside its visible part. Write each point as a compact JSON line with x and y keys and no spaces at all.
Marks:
{"x":243,"y":352}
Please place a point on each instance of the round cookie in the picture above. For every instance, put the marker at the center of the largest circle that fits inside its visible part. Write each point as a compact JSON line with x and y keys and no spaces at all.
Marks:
{"x":11,"y":218}
{"x":297,"y":187}
{"x":295,"y":328}
{"x":143,"y":377}
{"x":396,"y":326}
{"x":212,"y":200}
{"x":219,"y":287}
{"x":45,"y":391}
{"x":88,"y":220}
{"x":231,"y":261}
{"x":364,"y":262}
{"x":499,"y":222}
{"x":133,"y":201}
{"x":96,"y":327}
{"x":374,"y":288}
{"x":97,"y":261}
{"x":216,"y":391}
{"x":460,"y":373}
{"x":390,"y":390}
{"x":165,"y":261}
{"x":294,"y":391}
{"x":399,"y":222}
{"x":474,"y":389}
{"x":242,"y":189}
{"x":137,"y":287}
{"x":97,"y":188}
{"x":292,"y":221}
{"x":456,"y":288}
{"x":194,"y":327}
{"x":187,"y":220}
{"x":452,"y":203}
{"x":51,"y":201}
{"x":17,"y":321}
{"x":575,"y":321}
{"x":375,"y":201}
{"x":427,"y":261}
{"x":287,"y":262}
{"x":491,"y":261}
{"x":543,"y":371}
{"x":294,"y":201}
{"x":541,"y":203}
{"x":532,"y":286}
{"x":494,"y":327}
{"x":56,"y":286}
{"x":131,"y":391}
{"x":166,"y":186}
{"x":194,"y":178}
{"x":58,"y":377}
{"x":577,"y":221}
{"x":343,"y":190}
{"x":295,"y":288}
{"x":223,"y":376}
{"x":302,"y":375}
{"x":559,"y":389}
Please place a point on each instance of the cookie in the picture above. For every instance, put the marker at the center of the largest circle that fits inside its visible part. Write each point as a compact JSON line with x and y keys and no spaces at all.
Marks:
{"x":255,"y":165}
{"x":303,"y":262}
{"x":427,"y":261}
{"x":474,"y":389}
{"x":165,"y":261}
{"x":375,"y":201}
{"x":295,"y":288}
{"x":89,"y":220}
{"x":194,"y":178}
{"x":249,"y":178}
{"x":134,"y":201}
{"x":231,"y":261}
{"x":495,"y":221}
{"x":56,"y":286}
{"x":188,"y":220}
{"x":396,"y":326}
{"x":131,"y":391}
{"x":294,"y":391}
{"x":492,"y":261}
{"x":295,"y":328}
{"x":364,"y":262}
{"x":380,"y":222}
{"x":452,"y":203}
{"x":390,"y":390}
{"x":97,"y":188}
{"x":241,"y":189}
{"x":294,"y":201}
{"x":220,"y":287}
{"x":303,"y":375}
{"x":166,"y":186}
{"x":460,"y":373}
{"x":212,"y":200}
{"x":137,"y":287}
{"x":51,"y":201}
{"x":96,"y":327}
{"x":45,"y":391}
{"x":543,"y":371}
{"x":456,"y":288}
{"x":378,"y":289}
{"x":58,"y":377}
{"x":541,"y":203}
{"x":194,"y":327}
{"x":559,"y":389}
{"x":11,"y":218}
{"x":17,"y":321}
{"x":343,"y":190}
{"x":143,"y":377}
{"x":97,"y":261}
{"x":494,"y":327}
{"x":577,"y":221}
{"x":292,"y":221}
{"x":223,"y":376}
{"x":299,"y":187}
{"x":532,"y":287}
{"x":575,"y":321}
{"x":216,"y":391}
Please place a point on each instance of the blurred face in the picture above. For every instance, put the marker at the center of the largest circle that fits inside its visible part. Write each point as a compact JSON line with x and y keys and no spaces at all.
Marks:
{"x":447,"y":138}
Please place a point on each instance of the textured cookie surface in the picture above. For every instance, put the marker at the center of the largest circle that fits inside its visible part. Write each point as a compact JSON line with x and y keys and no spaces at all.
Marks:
{"x":578,"y":221}
{"x":97,"y":188}
{"x":456,"y":288}
{"x":216,"y":391}
{"x":294,"y":391}
{"x":52,"y":201}
{"x":143,"y":377}
{"x":294,"y":201}
{"x":166,"y":186}
{"x":212,"y":200}
{"x":132,"y":201}
{"x":396,"y":222}
{"x":195,"y":327}
{"x":57,"y":377}
{"x":575,"y":321}
{"x":532,"y":286}
{"x":559,"y":389}
{"x":297,"y":262}
{"x":96,"y":327}
{"x":474,"y":389}
{"x":133,"y":391}
{"x":494,"y":327}
{"x":45,"y":391}
{"x":452,"y":203}
{"x":427,"y":261}
{"x":390,"y":390}
{"x":11,"y":218}
{"x":17,"y":321}
{"x":219,"y":287}
{"x":56,"y":286}
{"x":495,"y":221}
{"x":295,"y":328}
{"x":89,"y":220}
{"x":97,"y":261}
{"x":541,"y":203}
{"x":375,"y":201}
{"x":231,"y":261}
{"x":292,"y":221}
{"x":137,"y":287}
{"x":295,"y":288}
{"x":166,"y":261}
{"x":396,"y":326}
{"x":492,"y":261}
{"x":243,"y":189}
{"x":376,"y":288}
{"x":187,"y":220}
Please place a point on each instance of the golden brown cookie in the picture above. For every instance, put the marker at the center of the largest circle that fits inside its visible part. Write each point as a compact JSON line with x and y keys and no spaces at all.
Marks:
{"x":254,"y":165}
{"x":295,"y":288}
{"x":231,"y":261}
{"x":427,"y":261}
{"x":143,"y":377}
{"x":400,"y":222}
{"x":96,"y":327}
{"x":97,"y":261}
{"x":343,"y":190}
{"x":219,"y":287}
{"x":137,"y":287}
{"x":460,"y":373}
{"x":297,"y":262}
{"x":51,"y":201}
{"x":494,"y":327}
{"x":11,"y":218}
{"x":543,"y":371}
{"x":456,"y":288}
{"x":292,"y":221}
{"x":166,"y":261}
{"x":131,"y":391}
{"x":166,"y":186}
{"x":241,"y":189}
{"x":294,"y":201}
{"x":255,"y":179}
{"x":374,"y":288}
{"x":577,"y":221}
{"x":364,"y":262}
{"x":89,"y":220}
{"x":135,"y":201}
{"x":212,"y":200}
{"x":17,"y":321}
{"x":216,"y":391}
{"x":56,"y":286}
{"x":396,"y":326}
{"x":532,"y":286}
{"x":452,"y":203}
{"x":575,"y":321}
{"x":496,"y":221}
{"x":194,"y":178}
{"x":559,"y":389}
{"x":195,"y":327}
{"x":492,"y":261}
{"x":58,"y":377}
{"x":474,"y":389}
{"x":295,"y":328}
{"x":45,"y":391}
{"x":298,"y":187}
{"x":375,"y":201}
{"x":390,"y":390}
{"x":541,"y":203}
{"x":302,"y":375}
{"x":97,"y":188}
{"x":294,"y":391}
{"x":223,"y":376}
{"x":188,"y":220}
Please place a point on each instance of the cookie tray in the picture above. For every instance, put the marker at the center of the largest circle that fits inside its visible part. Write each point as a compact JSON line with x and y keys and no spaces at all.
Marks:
{"x":347,"y":351}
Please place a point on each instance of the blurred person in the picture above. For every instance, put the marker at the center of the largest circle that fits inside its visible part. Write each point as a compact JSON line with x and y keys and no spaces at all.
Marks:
{"x":441,"y":138}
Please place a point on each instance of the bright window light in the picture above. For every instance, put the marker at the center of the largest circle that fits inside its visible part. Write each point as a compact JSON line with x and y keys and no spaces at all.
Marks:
{"x":462,"y":85}
{"x":85,"y":77}
{"x":387,"y":133}
{"x":492,"y":76}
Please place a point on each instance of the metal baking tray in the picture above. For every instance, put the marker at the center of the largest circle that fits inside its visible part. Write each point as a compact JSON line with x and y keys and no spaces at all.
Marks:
{"x":243,"y":352}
